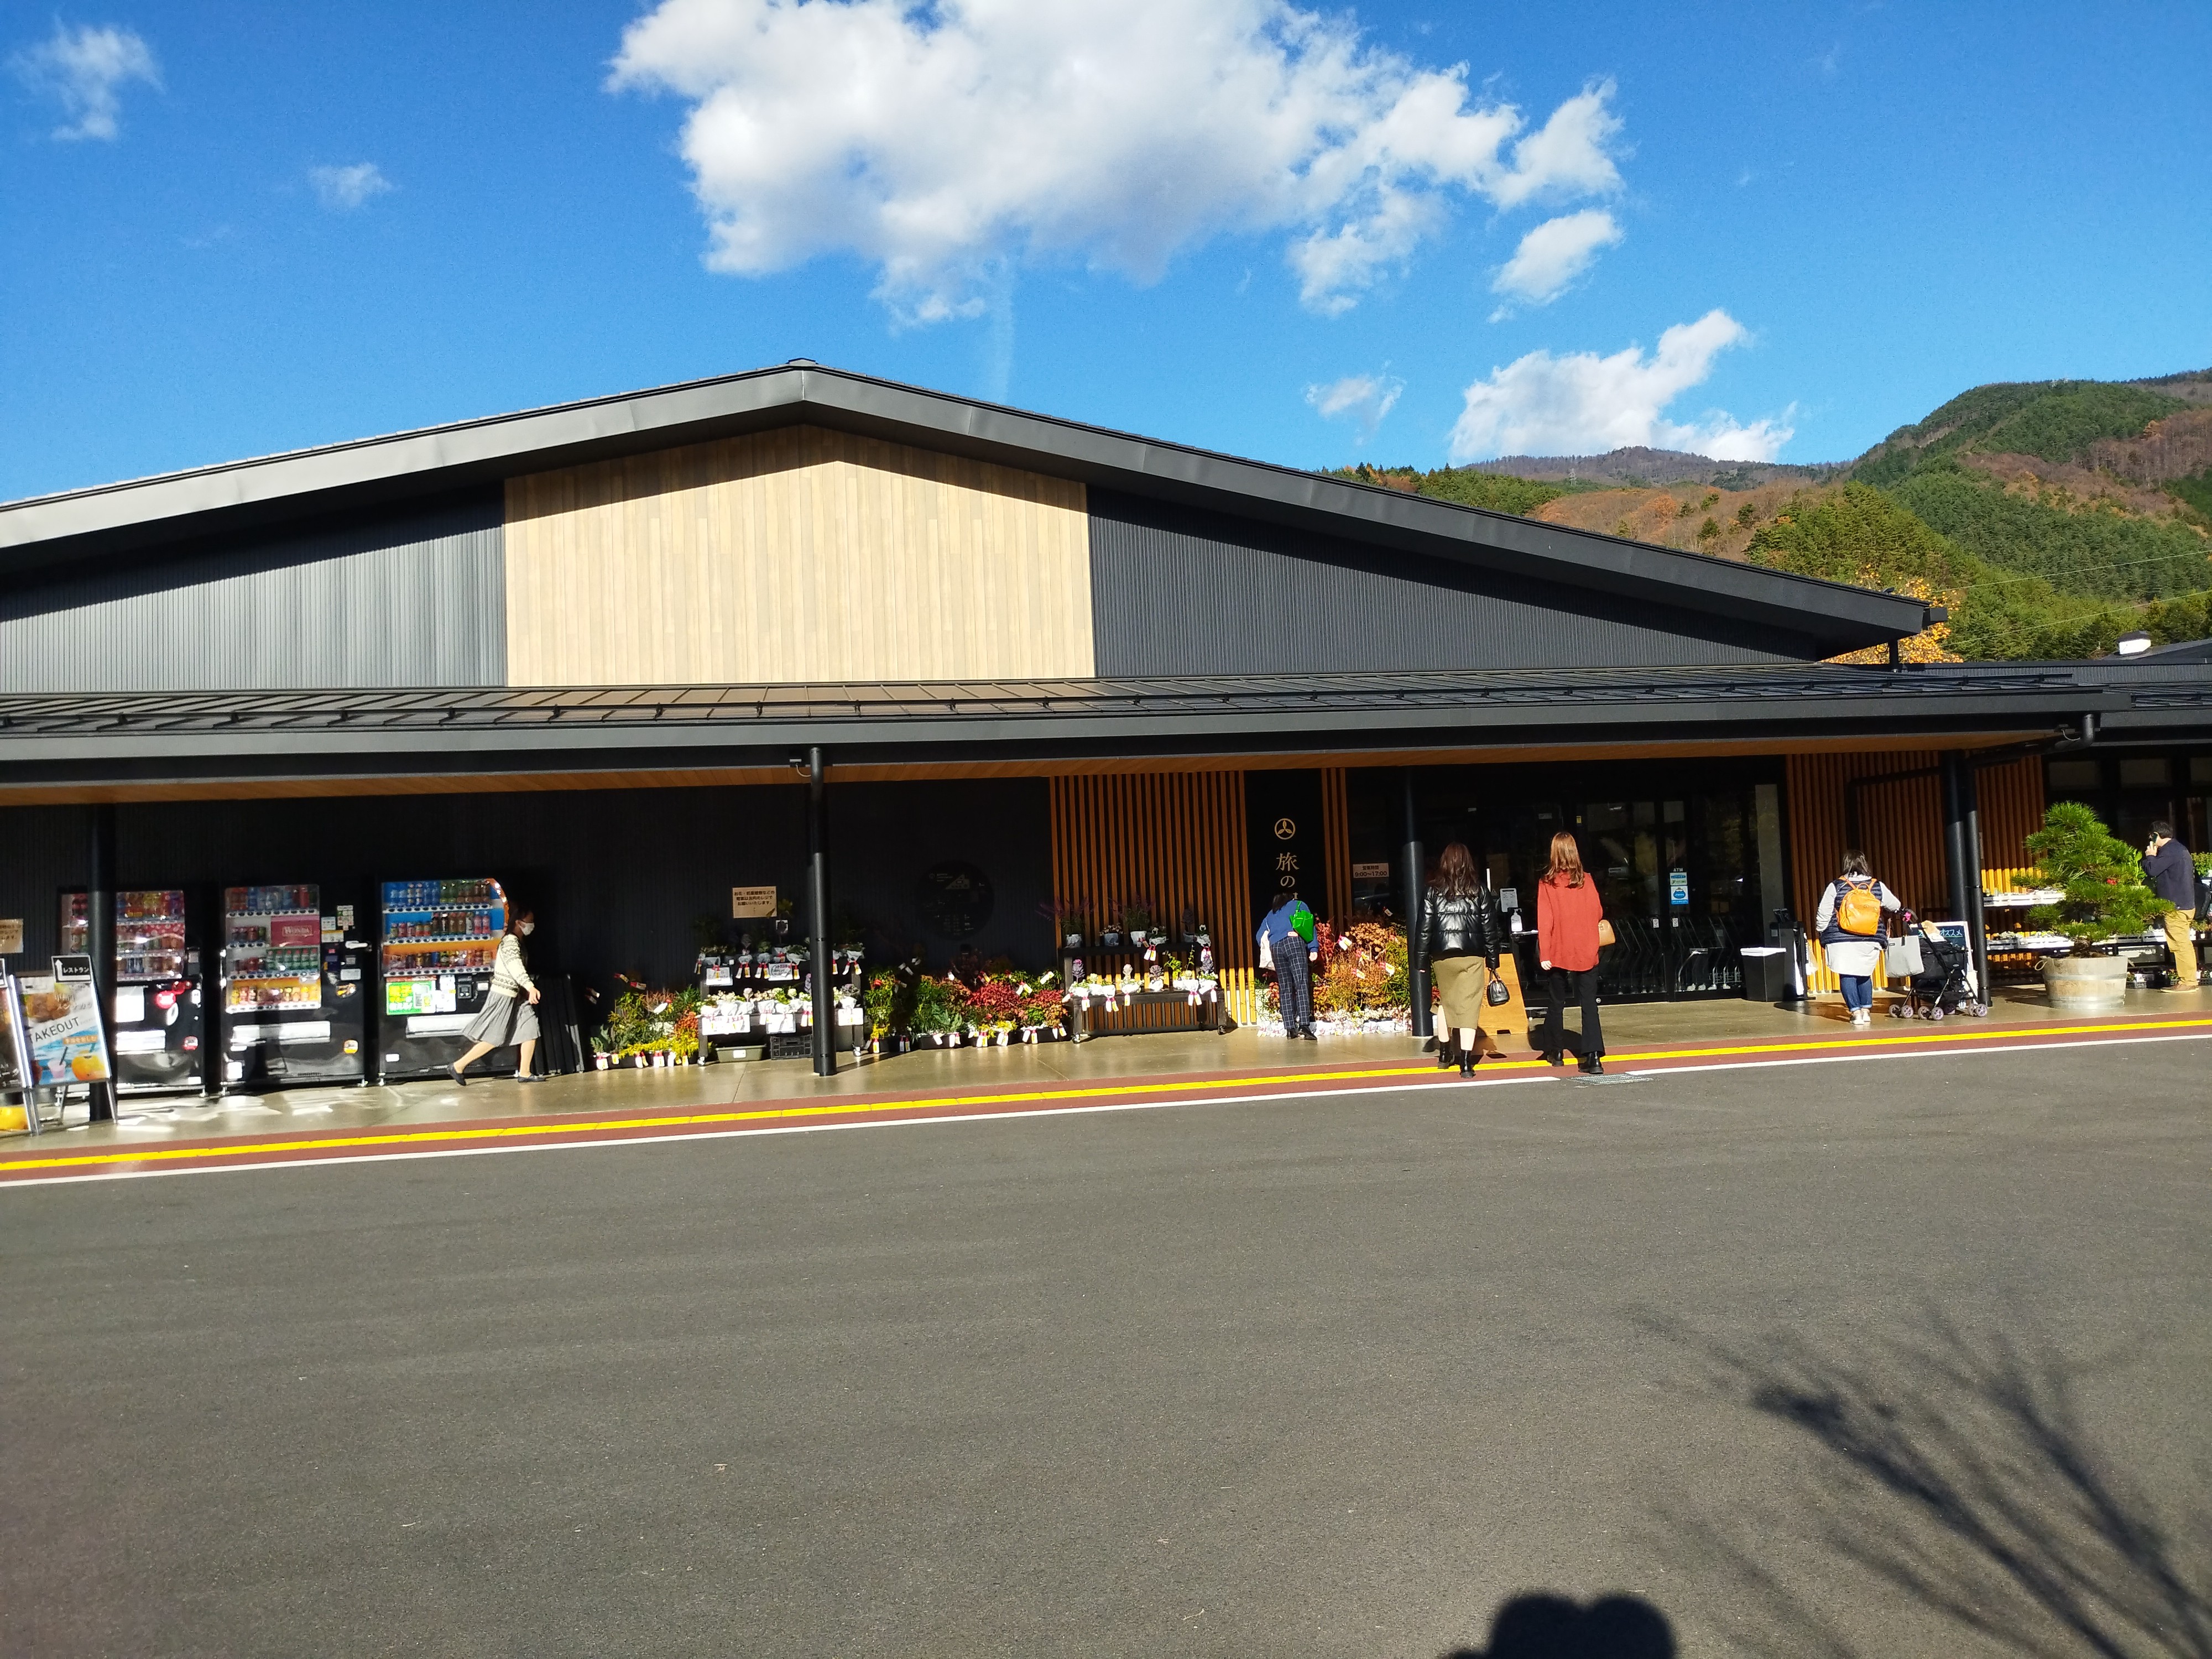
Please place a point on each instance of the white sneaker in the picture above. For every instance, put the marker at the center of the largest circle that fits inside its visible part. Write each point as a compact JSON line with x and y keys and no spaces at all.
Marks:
{"x":1862,"y":1016}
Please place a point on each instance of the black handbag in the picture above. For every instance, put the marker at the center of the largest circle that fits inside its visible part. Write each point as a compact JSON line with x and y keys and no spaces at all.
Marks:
{"x":1496,"y":993}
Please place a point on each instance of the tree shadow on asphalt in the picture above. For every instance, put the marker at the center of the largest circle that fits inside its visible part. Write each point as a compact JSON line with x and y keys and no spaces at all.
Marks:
{"x":1958,"y":1470}
{"x":1547,"y":1627}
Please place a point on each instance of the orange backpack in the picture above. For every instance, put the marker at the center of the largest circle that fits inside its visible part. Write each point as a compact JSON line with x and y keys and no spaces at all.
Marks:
{"x":1857,"y":910}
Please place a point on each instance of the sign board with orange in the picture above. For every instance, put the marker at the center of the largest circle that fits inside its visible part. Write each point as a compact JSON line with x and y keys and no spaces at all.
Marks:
{"x":61,"y":1018}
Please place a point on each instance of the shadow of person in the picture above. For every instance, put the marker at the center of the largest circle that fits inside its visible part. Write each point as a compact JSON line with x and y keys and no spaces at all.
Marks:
{"x":1547,"y":1626}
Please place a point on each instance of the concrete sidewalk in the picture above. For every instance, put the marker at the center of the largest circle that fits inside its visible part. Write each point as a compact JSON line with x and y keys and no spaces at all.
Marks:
{"x":1246,"y":1055}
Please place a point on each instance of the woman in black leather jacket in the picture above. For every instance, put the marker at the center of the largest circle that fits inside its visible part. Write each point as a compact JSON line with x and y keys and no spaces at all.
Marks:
{"x":1459,"y":935}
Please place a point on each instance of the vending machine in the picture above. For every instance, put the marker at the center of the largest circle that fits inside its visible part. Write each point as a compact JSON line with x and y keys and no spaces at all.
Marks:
{"x":439,"y":941}
{"x":159,"y":1019}
{"x":294,"y":990}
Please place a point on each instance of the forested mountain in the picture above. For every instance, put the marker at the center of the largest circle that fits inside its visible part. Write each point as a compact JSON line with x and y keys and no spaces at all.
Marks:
{"x":2052,"y":517}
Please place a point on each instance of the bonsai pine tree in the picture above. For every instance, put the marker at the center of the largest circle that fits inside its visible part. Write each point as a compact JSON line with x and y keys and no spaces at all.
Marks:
{"x":2100,"y":875}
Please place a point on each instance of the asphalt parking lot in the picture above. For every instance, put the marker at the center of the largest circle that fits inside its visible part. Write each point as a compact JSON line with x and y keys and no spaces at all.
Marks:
{"x":1306,"y":1376}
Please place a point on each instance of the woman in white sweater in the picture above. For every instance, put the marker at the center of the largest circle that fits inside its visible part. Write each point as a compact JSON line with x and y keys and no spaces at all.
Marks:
{"x":1855,"y":956}
{"x":510,"y":1013}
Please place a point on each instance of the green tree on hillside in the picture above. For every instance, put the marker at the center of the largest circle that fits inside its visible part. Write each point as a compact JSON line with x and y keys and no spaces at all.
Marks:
{"x":2053,"y":420}
{"x":2100,"y":553}
{"x":1856,"y":534}
{"x":1861,"y":535}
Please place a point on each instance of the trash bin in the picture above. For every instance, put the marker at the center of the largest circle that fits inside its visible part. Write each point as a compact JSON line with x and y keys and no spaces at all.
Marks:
{"x":1767,"y":975}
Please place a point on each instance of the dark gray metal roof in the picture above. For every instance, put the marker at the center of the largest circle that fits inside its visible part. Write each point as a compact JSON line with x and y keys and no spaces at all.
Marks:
{"x":182,"y":507}
{"x":2180,"y":651}
{"x":333,"y":734}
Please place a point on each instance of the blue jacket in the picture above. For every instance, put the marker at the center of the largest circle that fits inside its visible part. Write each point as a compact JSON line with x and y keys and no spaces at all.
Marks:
{"x":1275,"y":927}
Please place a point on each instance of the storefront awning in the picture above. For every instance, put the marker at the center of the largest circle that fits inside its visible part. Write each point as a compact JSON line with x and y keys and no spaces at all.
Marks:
{"x":68,"y":742}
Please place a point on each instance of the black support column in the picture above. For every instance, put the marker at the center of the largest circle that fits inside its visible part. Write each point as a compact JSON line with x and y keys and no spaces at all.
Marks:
{"x":818,"y":909}
{"x":1416,"y":869}
{"x":1957,"y":784}
{"x":99,"y":940}
{"x":1976,"y":934}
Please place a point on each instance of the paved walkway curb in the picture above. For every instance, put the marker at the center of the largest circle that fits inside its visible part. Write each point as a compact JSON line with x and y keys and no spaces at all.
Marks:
{"x":33,"y":1164}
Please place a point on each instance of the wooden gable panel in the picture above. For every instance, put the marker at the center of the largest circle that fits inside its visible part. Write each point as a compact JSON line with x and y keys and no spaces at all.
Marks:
{"x":800,"y":556}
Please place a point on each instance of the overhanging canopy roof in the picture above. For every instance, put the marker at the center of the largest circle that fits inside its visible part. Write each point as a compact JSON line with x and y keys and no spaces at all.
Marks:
{"x":188,"y":508}
{"x":153,"y":736}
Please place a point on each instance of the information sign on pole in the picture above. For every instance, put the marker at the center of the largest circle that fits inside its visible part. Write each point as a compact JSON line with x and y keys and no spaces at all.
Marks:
{"x":11,"y":936}
{"x":750,"y":901}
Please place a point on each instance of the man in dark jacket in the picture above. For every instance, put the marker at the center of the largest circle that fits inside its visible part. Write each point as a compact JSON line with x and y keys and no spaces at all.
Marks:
{"x":2172,"y":874}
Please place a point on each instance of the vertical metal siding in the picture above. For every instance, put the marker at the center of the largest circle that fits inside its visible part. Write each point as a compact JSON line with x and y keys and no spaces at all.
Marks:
{"x":43,"y":850}
{"x":1176,"y":591}
{"x":416,"y":600}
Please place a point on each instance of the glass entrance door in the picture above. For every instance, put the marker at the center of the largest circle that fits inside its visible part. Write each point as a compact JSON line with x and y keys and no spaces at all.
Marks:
{"x":1679,"y":880}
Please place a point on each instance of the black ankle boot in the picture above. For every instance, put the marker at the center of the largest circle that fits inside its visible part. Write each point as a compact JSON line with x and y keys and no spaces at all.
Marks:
{"x":1446,"y":1052}
{"x":1593,"y":1066}
{"x":1466,"y":1063}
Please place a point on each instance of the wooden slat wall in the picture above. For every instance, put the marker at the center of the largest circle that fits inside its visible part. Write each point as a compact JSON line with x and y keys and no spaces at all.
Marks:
{"x":2011,"y":805}
{"x":1901,"y":826}
{"x":799,"y":556}
{"x":1174,"y":840}
{"x":1336,"y":845}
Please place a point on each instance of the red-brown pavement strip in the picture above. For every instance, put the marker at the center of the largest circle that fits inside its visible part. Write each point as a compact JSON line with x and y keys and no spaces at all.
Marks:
{"x":30,"y":1161}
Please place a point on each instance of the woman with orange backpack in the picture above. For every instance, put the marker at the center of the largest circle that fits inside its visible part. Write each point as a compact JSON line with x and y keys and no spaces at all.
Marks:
{"x":1851,"y":925}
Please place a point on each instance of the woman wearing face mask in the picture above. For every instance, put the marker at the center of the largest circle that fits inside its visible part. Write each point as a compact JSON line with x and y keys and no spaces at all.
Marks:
{"x":509,"y":1014}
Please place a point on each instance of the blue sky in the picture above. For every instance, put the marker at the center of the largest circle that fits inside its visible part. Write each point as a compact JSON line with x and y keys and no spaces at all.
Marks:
{"x":227,"y":229}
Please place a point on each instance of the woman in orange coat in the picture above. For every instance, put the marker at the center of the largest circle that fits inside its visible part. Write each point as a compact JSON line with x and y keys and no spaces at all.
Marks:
{"x":1567,"y":915}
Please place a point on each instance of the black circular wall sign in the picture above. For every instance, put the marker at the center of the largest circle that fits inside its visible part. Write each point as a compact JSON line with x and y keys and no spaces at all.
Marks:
{"x":955,"y":899}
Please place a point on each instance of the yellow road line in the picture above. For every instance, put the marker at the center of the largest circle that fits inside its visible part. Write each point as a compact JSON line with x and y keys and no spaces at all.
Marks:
{"x":1102,"y":1091}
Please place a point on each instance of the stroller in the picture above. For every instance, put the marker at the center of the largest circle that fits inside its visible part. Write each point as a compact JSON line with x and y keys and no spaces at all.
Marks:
{"x":1943,"y":983}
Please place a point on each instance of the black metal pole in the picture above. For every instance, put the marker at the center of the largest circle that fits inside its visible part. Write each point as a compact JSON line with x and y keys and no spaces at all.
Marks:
{"x":1970,"y":789}
{"x":1954,"y":835}
{"x":99,"y":940}
{"x":1416,"y":869}
{"x":818,"y":906}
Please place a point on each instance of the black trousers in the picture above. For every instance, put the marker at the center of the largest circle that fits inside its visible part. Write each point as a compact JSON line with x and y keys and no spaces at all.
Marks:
{"x":1581,"y":983}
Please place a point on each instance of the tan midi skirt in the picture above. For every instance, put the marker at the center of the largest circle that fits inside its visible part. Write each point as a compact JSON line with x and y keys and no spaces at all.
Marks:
{"x":1459,"y":982}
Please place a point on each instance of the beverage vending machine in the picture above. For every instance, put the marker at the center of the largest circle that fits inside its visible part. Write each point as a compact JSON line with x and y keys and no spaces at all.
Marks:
{"x":294,"y":988}
{"x":439,"y":941}
{"x":159,"y":1019}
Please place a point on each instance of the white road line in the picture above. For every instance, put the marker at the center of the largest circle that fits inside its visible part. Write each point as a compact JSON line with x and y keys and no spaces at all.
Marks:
{"x":277,"y":1162}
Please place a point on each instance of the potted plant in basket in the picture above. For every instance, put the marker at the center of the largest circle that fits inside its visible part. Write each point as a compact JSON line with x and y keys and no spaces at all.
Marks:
{"x":2104,"y":898}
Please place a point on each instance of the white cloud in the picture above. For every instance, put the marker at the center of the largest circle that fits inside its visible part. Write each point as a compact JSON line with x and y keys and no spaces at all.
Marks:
{"x":1365,"y":398}
{"x":1552,"y":255}
{"x":343,"y":189}
{"x":1585,"y":405}
{"x":939,"y":142}
{"x":84,"y":69}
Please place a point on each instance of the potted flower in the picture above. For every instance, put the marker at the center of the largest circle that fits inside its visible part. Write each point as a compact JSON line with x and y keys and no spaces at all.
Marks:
{"x":2101,"y":878}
